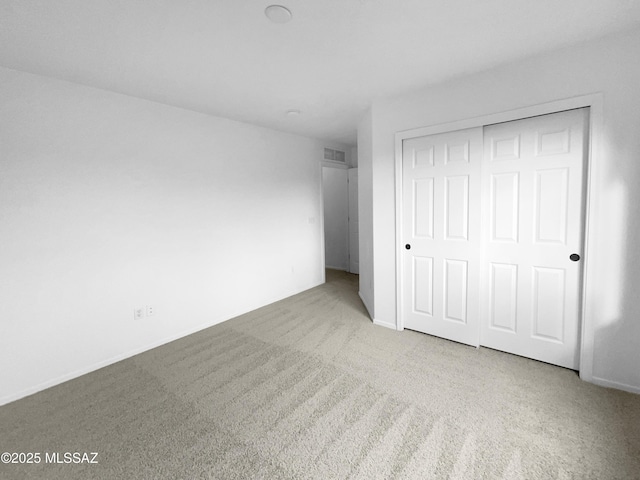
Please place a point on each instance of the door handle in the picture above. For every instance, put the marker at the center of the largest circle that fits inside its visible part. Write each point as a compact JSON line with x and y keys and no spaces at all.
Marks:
{"x":407,"y":246}
{"x":574,"y":257}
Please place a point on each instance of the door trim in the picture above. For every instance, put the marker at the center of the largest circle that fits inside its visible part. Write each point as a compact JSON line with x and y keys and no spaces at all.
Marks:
{"x":595,"y":103}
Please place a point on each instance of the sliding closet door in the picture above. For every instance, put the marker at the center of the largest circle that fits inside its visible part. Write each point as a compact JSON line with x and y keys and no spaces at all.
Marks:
{"x":441,"y":234}
{"x":533,"y":184}
{"x":492,"y":235}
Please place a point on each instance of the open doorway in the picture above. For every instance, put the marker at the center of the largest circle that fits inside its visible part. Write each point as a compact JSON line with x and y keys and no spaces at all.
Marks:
{"x":340,"y":200}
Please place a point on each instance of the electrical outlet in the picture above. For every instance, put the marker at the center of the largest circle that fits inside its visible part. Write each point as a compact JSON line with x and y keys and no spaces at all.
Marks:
{"x":138,"y":313}
{"x":150,"y":310}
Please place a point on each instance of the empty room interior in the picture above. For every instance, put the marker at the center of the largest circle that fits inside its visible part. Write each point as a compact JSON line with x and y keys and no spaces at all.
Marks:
{"x":333,"y":239}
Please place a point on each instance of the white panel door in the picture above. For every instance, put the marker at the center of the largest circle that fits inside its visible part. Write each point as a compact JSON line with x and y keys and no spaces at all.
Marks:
{"x":532,"y":199}
{"x":441,"y":228}
{"x":336,"y":215}
{"x":354,"y":251}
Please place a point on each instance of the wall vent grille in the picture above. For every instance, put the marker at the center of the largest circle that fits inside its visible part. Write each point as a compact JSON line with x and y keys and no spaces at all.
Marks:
{"x":334,"y":155}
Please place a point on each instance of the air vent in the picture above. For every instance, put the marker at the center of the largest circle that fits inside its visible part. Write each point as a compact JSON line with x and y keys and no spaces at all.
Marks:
{"x":334,"y":155}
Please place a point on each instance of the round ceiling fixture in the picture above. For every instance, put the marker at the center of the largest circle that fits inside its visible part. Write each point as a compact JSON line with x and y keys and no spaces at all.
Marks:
{"x":278,"y":13}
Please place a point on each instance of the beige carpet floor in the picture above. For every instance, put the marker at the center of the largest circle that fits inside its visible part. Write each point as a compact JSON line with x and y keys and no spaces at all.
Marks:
{"x":309,"y":388}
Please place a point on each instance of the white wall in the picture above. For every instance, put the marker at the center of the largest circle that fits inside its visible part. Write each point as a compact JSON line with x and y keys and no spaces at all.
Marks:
{"x":108,"y":202}
{"x":336,"y":214}
{"x":609,"y":66}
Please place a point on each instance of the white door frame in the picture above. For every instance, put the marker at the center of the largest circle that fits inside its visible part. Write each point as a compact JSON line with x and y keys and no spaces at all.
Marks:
{"x":595,"y":104}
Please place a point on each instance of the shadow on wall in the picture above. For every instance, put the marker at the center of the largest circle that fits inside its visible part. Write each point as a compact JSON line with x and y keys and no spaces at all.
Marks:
{"x":618,"y":310}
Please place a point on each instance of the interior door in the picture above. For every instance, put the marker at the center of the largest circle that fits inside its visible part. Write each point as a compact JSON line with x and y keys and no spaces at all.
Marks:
{"x":533,"y":213}
{"x":336,"y":217}
{"x":441,"y":234}
{"x":354,"y":229}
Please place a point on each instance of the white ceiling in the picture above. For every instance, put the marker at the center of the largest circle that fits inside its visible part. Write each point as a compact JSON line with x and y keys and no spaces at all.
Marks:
{"x":225,"y":58}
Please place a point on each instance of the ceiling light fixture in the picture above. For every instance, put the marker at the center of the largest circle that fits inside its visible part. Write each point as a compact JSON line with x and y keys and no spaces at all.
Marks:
{"x":278,"y":13}
{"x":293,"y":113}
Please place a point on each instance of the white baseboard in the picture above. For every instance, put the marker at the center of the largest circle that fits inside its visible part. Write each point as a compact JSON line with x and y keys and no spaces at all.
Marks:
{"x":101,"y":364}
{"x":617,"y":385}
{"x":382,"y":323}
{"x":117,"y":358}
{"x":375,"y":321}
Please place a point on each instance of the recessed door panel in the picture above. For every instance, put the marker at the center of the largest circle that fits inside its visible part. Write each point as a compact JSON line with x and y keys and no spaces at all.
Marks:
{"x":423,"y":157}
{"x":423,"y":207}
{"x":503,"y":295}
{"x":455,"y":291}
{"x":505,"y":148}
{"x":457,"y":153}
{"x":548,"y":303}
{"x":552,"y":142}
{"x":457,"y":207}
{"x":552,"y":190}
{"x":504,"y":207}
{"x":423,"y":285}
